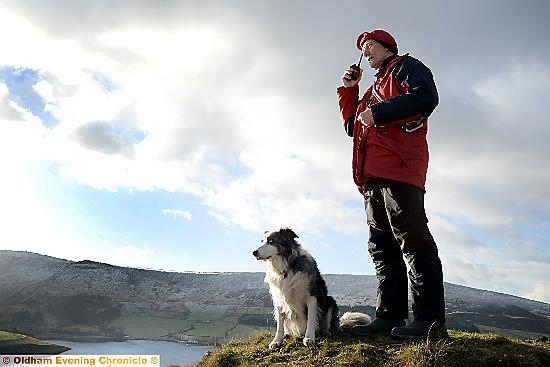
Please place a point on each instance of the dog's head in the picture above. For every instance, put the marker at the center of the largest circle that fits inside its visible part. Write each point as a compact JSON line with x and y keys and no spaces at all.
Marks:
{"x":281,"y":242}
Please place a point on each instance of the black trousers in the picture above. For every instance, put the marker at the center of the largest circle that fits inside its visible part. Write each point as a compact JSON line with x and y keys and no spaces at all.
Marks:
{"x":398,"y":226}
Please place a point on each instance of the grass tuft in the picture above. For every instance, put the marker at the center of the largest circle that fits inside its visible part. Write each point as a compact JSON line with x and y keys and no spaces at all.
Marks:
{"x":6,"y":335}
{"x":427,"y":353}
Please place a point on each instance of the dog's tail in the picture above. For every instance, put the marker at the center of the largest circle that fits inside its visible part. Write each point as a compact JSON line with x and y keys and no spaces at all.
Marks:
{"x":333,"y":319}
{"x":351,"y":319}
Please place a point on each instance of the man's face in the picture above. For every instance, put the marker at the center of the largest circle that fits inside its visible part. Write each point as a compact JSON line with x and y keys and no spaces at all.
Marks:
{"x":374,"y":53}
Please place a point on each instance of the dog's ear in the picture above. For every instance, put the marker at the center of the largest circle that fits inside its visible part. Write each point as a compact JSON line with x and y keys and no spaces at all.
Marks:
{"x":288,"y":234}
{"x":293,"y":255}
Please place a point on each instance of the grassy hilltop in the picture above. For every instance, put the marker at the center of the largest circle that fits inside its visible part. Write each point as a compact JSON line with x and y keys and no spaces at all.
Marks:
{"x":461,"y":350}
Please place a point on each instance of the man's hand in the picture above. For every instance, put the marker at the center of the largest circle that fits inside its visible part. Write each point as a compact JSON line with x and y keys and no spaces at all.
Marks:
{"x":346,"y":78}
{"x":366,"y":118}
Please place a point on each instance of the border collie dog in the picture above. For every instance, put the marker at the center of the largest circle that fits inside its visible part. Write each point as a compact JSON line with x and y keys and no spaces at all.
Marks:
{"x":301,"y":304}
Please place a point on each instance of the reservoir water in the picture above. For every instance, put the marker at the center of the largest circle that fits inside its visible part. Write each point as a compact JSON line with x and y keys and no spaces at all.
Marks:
{"x":171,"y":353}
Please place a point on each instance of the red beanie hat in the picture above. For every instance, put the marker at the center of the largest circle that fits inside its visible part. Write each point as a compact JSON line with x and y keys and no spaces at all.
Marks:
{"x":383,"y":37}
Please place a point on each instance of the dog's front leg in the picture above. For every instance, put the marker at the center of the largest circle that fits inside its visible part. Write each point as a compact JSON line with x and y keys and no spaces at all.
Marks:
{"x":311,"y":320}
{"x":280,"y":333}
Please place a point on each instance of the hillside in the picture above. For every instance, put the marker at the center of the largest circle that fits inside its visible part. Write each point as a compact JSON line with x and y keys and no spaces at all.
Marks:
{"x":54,"y":298}
{"x":461,"y":349}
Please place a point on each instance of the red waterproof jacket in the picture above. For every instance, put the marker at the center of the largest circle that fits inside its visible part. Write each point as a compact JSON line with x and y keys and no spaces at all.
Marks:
{"x":401,"y":99}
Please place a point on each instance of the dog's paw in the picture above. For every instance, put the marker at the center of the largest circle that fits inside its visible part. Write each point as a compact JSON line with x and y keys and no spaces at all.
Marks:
{"x":309,"y":340}
{"x":275,"y":344}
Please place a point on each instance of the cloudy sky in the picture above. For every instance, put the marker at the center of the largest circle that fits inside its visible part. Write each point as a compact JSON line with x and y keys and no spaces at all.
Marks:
{"x":171,"y":134}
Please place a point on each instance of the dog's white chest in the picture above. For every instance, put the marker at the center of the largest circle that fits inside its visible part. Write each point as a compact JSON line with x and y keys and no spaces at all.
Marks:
{"x":292,"y":289}
{"x":290,"y":295}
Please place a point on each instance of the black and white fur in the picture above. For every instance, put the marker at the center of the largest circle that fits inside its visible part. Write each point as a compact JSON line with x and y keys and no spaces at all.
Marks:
{"x":301,"y":304}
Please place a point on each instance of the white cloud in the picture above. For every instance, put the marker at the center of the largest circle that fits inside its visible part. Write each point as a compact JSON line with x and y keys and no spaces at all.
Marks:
{"x":9,"y":110}
{"x":175,"y":213}
{"x":191,"y":50}
{"x":516,"y":94}
{"x":198,"y":138}
{"x":487,"y":179}
{"x":143,"y":251}
{"x":540,"y":291}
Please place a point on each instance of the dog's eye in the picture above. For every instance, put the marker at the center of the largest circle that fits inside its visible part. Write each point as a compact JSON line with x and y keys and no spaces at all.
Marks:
{"x":269,"y":241}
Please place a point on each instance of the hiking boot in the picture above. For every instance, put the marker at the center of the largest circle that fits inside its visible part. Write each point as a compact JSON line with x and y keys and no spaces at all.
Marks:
{"x":376,"y":326}
{"x":420,"y":330}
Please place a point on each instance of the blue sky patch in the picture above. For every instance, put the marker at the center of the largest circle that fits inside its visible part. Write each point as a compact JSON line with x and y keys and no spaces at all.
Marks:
{"x":20,"y":83}
{"x":107,"y":84}
{"x":235,"y":168}
{"x":131,"y":135}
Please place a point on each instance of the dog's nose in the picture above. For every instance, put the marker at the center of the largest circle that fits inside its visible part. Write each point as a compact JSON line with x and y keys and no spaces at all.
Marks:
{"x":255,"y":253}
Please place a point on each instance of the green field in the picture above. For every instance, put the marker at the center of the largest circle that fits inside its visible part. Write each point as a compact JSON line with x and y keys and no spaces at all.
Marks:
{"x":137,"y":327}
{"x":6,"y":335}
{"x":201,"y":324}
{"x":518,"y":334}
{"x":241,"y":331}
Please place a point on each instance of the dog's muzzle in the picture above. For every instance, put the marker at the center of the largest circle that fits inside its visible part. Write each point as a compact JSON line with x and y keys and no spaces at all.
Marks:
{"x":256,"y":254}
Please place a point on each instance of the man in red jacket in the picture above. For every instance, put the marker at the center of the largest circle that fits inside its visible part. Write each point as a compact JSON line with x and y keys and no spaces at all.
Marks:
{"x":390,"y":159}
